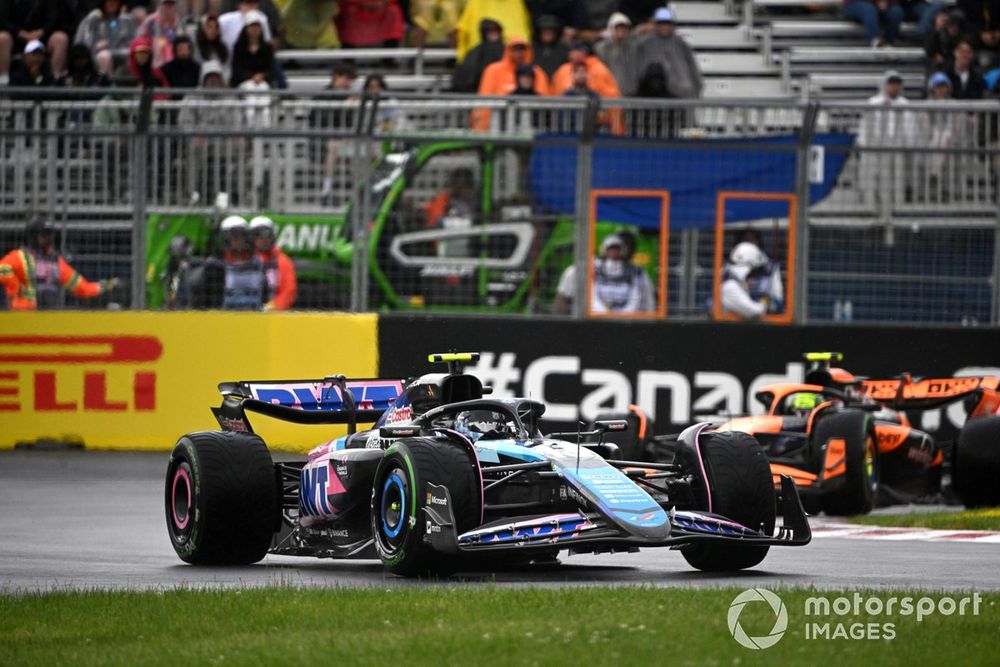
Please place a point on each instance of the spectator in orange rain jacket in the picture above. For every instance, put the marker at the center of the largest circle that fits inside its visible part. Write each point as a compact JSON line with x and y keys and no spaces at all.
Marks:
{"x":599,"y":79}
{"x":279,"y":269}
{"x":33,"y":275}
{"x":500,"y":78}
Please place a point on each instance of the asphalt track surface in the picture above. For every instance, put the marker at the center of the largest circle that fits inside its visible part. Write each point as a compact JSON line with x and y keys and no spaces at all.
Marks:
{"x":73,"y":520}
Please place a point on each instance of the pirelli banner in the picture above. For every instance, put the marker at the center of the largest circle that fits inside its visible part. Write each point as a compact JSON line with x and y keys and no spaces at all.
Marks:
{"x":678,"y":372}
{"x":128,"y":380}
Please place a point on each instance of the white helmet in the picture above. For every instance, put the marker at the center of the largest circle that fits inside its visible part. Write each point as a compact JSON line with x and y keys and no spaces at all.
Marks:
{"x":262,"y":225}
{"x":748,"y":254}
{"x":233,"y":225}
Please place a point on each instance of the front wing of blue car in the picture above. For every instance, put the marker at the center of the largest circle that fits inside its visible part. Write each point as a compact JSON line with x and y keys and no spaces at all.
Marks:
{"x":576,"y":530}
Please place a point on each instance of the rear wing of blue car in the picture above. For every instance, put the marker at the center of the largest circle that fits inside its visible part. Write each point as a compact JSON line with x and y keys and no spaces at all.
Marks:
{"x":331,"y":400}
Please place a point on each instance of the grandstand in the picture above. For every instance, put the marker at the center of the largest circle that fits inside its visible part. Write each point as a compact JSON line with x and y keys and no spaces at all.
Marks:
{"x":770,"y":67}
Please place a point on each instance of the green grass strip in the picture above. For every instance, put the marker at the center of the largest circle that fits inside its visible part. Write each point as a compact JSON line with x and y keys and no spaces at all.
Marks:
{"x":444,"y":625}
{"x":984,"y":519}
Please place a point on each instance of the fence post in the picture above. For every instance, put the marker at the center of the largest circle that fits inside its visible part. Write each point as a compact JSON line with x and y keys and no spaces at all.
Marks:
{"x":140,"y":165}
{"x":584,"y":178}
{"x":995,"y":314}
{"x":359,"y":209}
{"x":806,"y":134}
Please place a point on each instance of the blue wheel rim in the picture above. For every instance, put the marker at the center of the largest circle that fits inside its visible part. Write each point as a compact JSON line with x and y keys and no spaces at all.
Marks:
{"x":393,"y":506}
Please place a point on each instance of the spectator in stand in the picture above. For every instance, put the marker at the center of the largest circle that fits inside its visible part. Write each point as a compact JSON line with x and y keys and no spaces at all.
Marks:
{"x":666,"y":49}
{"x":598,"y":80}
{"x":966,"y":81}
{"x":923,"y":13}
{"x":140,"y":64}
{"x":253,"y":55}
{"x":210,"y":161}
{"x":183,"y":71}
{"x":231,"y":23}
{"x":571,"y":14}
{"x":941,"y":43}
{"x":983,"y":21}
{"x":162,"y":27}
{"x":370,"y":24}
{"x":620,"y":53}
{"x":881,"y":174}
{"x":209,"y":46}
{"x":34,"y":275}
{"x":891,"y":127}
{"x":466,"y":77}
{"x":580,"y":83}
{"x":510,"y":14}
{"x":388,"y":117}
{"x":107,"y":32}
{"x":939,"y":127}
{"x":880,"y":19}
{"x":82,"y":73}
{"x":23,"y":21}
{"x":278,"y":268}
{"x":34,"y":69}
{"x":602,"y":81}
{"x":434,"y":22}
{"x":500,"y":78}
{"x":342,"y":79}
{"x":550,"y":51}
{"x":307,"y":24}
{"x":525,"y":80}
{"x":590,"y":78}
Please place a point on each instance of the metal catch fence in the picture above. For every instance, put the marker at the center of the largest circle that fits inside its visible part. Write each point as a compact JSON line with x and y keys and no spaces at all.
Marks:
{"x":465,"y":203}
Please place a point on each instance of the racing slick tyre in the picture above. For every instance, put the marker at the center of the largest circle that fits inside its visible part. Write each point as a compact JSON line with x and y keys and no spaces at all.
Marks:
{"x":856,"y":493}
{"x":976,"y":466}
{"x":221,"y":498}
{"x":742,"y":489}
{"x":399,"y":494}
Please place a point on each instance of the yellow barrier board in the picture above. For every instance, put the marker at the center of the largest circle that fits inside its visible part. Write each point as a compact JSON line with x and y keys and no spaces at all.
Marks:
{"x":139,"y":380}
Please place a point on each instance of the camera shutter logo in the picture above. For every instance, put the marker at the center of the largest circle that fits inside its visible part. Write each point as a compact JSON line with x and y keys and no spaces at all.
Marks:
{"x":780,"y":618}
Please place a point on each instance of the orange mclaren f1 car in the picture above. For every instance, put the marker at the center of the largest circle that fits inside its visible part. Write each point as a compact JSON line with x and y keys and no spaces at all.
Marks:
{"x":845,"y":439}
{"x":847,"y":443}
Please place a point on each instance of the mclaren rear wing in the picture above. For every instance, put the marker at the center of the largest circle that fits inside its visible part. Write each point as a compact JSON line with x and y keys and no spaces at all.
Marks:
{"x":332,"y":400}
{"x":904,"y":393}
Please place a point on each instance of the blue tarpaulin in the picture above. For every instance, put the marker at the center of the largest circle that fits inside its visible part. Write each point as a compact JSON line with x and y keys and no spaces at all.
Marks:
{"x":693,"y":176}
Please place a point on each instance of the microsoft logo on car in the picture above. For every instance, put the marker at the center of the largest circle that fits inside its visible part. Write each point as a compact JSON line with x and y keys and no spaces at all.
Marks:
{"x":780,"y":618}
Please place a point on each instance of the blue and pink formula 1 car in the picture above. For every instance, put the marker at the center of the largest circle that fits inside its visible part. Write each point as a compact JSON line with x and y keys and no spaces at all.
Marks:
{"x":448,"y":478}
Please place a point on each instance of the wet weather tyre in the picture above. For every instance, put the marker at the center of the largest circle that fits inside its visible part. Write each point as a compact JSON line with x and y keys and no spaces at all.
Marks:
{"x":221,"y":498}
{"x":742,"y":489}
{"x":976,"y":466}
{"x":399,"y":495}
{"x":856,"y":493}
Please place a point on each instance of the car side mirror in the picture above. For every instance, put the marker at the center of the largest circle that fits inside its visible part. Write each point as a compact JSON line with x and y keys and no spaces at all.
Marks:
{"x":611,"y":426}
{"x":398,"y":431}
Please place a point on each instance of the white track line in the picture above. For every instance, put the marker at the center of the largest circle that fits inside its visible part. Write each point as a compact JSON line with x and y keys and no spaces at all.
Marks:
{"x":823,"y":529}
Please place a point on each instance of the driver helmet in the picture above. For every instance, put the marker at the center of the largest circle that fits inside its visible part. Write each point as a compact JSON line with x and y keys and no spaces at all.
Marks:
{"x":803,"y":402}
{"x":474,"y":424}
